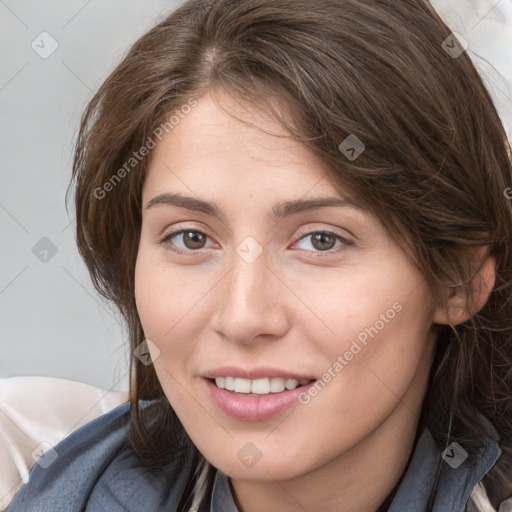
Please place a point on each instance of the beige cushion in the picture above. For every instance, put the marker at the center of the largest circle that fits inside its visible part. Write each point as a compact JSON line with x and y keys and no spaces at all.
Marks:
{"x":35,"y":414}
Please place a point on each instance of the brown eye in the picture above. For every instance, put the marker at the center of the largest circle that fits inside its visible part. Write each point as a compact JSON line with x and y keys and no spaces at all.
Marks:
{"x":185,"y":240}
{"x":323,"y":241}
{"x":194,"y":239}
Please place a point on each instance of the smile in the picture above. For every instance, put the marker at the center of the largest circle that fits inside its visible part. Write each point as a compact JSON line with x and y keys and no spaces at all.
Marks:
{"x":262,"y":386}
{"x":254,"y":406}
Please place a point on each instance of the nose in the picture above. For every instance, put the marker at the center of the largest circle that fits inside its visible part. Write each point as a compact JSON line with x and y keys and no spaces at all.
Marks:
{"x":251,"y":302}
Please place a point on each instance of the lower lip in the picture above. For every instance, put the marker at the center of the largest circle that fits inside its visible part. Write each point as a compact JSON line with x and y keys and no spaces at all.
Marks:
{"x":254,"y":408}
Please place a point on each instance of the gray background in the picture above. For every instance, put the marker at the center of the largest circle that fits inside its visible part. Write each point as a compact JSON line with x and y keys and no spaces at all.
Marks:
{"x":51,"y":321}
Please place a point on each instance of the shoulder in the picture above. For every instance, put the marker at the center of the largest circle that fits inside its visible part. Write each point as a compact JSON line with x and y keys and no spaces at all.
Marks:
{"x":75,"y":460}
{"x":95,"y":469}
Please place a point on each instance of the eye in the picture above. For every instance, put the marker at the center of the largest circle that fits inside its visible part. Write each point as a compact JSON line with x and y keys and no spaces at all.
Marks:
{"x":185,"y":239}
{"x":323,"y":241}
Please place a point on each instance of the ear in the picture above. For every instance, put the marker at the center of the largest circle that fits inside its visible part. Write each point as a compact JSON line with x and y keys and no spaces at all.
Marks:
{"x":455,"y":311}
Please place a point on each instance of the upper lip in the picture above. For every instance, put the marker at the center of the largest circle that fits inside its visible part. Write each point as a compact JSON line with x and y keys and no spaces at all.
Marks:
{"x":259,"y":372}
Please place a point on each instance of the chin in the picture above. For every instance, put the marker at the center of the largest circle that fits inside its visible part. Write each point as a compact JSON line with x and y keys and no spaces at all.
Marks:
{"x":284,"y":469}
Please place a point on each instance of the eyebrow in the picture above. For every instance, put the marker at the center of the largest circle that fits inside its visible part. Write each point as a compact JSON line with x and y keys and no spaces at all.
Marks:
{"x":279,"y":210}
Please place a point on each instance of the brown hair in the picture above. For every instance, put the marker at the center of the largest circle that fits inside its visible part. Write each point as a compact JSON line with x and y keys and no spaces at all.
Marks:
{"x":434,"y":169}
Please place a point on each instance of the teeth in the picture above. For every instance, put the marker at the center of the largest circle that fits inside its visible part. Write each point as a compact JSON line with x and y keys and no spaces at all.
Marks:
{"x":291,"y":384}
{"x":229,"y":383}
{"x":276,"y":385}
{"x":242,"y":385}
{"x":258,"y":386}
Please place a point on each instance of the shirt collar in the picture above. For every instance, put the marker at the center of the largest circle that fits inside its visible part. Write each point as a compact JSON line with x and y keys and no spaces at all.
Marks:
{"x":458,"y":477}
{"x":455,"y":483}
{"x":222,"y":496}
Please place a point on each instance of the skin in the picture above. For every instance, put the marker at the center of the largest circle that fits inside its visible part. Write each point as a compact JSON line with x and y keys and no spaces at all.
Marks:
{"x":295,"y":307}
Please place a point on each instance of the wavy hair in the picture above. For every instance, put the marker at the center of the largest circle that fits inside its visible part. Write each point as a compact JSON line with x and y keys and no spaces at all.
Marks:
{"x":435,"y":169}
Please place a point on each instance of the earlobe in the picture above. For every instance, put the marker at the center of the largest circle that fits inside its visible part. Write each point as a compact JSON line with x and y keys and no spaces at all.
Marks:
{"x":455,"y":311}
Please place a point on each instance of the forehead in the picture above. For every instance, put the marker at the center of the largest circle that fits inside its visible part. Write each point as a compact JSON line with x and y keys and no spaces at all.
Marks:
{"x":222,"y":143}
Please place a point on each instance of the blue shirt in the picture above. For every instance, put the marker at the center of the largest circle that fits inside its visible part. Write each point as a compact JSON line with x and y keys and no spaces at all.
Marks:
{"x":97,"y":471}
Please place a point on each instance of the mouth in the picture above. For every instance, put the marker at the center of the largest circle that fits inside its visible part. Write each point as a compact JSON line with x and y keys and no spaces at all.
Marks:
{"x":272,"y":397}
{"x":258,"y":387}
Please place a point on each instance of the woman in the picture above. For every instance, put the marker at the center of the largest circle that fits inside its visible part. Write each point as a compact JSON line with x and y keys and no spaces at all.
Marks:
{"x":300,"y":209}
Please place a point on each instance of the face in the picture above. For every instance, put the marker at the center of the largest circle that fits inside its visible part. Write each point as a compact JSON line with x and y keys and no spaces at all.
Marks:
{"x":254,"y":281}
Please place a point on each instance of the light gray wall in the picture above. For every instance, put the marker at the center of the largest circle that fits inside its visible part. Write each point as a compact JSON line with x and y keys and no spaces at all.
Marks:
{"x":51,"y":321}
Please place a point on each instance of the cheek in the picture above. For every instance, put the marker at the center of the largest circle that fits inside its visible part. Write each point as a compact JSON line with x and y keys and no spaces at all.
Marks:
{"x":151,"y":297}
{"x":172,"y":305}
{"x":385,"y":353}
{"x":376,"y":331}
{"x":358,"y":304}
{"x":163,"y":295}
{"x":162,"y":306}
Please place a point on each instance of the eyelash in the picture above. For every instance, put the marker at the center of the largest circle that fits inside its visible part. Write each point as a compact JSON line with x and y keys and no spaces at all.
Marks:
{"x":317,"y":254}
